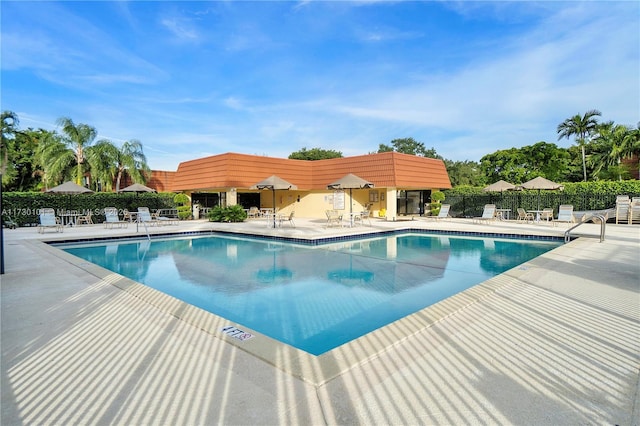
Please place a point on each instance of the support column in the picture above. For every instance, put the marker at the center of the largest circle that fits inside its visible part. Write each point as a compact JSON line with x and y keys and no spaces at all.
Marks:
{"x":392,"y":204}
{"x":232,"y":197}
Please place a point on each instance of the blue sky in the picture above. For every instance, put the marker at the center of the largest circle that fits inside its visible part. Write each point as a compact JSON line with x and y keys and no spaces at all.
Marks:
{"x":191,"y":79}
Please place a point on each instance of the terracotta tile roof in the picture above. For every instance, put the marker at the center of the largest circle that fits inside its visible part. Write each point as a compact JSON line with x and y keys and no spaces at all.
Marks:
{"x":160,"y":180}
{"x":388,"y":169}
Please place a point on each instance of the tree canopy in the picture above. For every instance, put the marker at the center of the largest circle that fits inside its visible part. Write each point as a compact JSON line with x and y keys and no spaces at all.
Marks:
{"x":409,"y":146}
{"x":31,"y":159}
{"x":315,"y":154}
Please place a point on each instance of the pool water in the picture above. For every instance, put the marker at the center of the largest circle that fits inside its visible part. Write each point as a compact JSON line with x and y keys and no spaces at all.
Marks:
{"x":313,"y":297}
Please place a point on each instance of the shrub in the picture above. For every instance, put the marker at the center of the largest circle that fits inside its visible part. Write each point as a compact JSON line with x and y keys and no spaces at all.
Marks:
{"x":227,"y":214}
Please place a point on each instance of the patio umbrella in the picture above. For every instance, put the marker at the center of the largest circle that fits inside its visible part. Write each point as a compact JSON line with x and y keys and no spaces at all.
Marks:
{"x":541,"y":183}
{"x":274,"y":183}
{"x":350,"y":182}
{"x":69,"y":188}
{"x":137,"y":187}
{"x":499,"y":186}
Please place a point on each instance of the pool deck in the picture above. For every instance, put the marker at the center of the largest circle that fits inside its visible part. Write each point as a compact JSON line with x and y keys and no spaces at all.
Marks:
{"x":554,"y":341}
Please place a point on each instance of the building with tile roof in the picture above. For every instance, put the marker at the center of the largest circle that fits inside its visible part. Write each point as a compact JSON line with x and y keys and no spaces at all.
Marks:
{"x":402,"y":183}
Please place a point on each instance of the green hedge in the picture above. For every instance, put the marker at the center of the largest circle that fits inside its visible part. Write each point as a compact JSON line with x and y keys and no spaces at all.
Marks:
{"x":23,"y":207}
{"x":467,"y":201}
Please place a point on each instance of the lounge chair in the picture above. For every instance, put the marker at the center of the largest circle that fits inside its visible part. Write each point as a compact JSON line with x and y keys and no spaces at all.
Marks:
{"x":443,"y":213}
{"x":565,"y":214}
{"x":144,"y":216}
{"x":333,"y":218}
{"x":171,"y":217}
{"x":488,"y":214}
{"x":48,"y":219}
{"x":623,"y":210}
{"x":634,"y":211}
{"x":285,"y":218}
{"x":524,"y":216}
{"x":112,"y":220}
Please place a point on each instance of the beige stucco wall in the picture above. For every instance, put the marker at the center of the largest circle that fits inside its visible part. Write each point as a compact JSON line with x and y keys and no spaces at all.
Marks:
{"x":314,"y":204}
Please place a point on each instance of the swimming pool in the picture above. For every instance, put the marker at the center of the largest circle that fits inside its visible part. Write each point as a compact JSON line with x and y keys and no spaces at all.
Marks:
{"x":312,"y":297}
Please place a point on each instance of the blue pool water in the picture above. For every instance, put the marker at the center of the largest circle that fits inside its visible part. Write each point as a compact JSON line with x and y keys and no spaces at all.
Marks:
{"x":315,"y":297}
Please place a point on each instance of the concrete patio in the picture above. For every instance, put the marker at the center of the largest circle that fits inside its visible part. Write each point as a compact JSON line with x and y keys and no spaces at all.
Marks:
{"x":553,"y":341}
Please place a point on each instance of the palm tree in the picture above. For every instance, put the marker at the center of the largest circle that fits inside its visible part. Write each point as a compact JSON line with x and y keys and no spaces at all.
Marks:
{"x":79,"y":137}
{"x":55,"y":158}
{"x":109,"y":163}
{"x":608,"y":149}
{"x":7,"y":137}
{"x":581,"y":127}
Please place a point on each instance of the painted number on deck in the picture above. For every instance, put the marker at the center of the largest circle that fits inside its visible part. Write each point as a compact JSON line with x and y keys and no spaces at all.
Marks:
{"x":236,"y":333}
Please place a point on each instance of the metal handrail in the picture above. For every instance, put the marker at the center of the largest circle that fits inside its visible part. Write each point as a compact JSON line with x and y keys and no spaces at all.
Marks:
{"x":138,"y":221}
{"x":585,"y":219}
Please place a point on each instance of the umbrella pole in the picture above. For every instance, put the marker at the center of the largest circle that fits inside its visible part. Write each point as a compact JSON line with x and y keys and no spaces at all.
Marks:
{"x":274,"y":208}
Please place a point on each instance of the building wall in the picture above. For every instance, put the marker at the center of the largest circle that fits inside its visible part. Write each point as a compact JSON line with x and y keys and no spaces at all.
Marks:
{"x":234,"y":174}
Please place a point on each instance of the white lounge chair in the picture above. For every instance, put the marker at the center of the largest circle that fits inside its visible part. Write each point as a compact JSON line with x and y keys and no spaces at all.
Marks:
{"x":623,"y":210}
{"x":48,"y":219}
{"x":443,"y":213}
{"x":112,"y":220}
{"x":488,"y":214}
{"x":144,"y":216}
{"x":634,"y":211}
{"x":565,"y":214}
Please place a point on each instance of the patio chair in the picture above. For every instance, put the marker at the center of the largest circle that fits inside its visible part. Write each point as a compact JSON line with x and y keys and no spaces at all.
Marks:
{"x":144,"y":216}
{"x":112,"y":220}
{"x":488,"y":214}
{"x":85,"y":219}
{"x":48,"y":219}
{"x":285,"y":218}
{"x":546,"y":214}
{"x":333,"y":218}
{"x":8,"y":222}
{"x":565,"y":214}
{"x":443,"y":213}
{"x":253,"y":213}
{"x":524,"y":216}
{"x":365,"y":215}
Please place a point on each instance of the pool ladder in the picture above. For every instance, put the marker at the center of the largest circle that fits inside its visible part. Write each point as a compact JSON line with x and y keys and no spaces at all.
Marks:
{"x":585,"y":218}
{"x":145,"y":228}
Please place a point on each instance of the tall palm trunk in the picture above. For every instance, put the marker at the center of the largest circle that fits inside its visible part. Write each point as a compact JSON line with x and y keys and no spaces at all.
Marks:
{"x":584,"y":164}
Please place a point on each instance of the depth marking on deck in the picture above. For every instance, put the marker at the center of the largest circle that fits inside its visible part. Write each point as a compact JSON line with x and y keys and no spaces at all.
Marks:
{"x":236,"y":333}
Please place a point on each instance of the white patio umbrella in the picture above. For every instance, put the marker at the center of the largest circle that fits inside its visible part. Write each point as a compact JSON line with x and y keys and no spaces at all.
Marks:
{"x":350,"y":182}
{"x":499,"y":186}
{"x":541,"y":183}
{"x":274,"y":183}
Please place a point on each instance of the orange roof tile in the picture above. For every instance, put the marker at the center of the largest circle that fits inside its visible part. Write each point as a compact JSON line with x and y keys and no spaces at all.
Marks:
{"x":388,"y":169}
